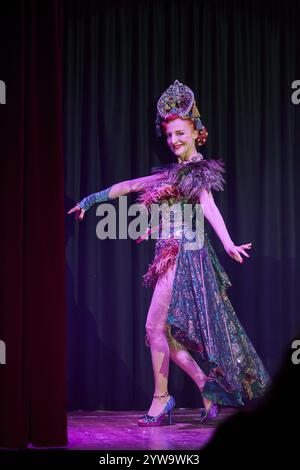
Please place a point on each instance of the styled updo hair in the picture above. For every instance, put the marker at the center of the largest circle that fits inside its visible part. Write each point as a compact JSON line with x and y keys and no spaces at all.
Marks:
{"x":202,"y":134}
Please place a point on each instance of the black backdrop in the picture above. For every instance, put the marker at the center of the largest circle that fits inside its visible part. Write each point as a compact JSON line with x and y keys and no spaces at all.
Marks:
{"x":240,"y":58}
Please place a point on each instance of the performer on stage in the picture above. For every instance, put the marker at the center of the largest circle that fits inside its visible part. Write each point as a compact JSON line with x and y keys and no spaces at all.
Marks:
{"x":190,"y":309}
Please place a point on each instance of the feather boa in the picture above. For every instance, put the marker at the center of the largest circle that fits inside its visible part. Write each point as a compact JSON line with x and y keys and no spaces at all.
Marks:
{"x":184,"y":181}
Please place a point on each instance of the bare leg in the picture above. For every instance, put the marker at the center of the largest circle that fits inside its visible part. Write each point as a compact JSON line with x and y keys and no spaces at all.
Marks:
{"x":157,"y":339}
{"x":163,"y":346}
{"x":181,"y":357}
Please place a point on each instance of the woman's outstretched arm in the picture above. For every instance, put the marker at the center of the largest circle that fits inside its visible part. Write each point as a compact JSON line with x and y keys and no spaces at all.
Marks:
{"x":213,"y":215}
{"x":114,"y":191}
{"x":131,"y":186}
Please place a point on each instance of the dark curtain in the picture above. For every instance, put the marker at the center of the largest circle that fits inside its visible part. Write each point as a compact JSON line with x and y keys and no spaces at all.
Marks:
{"x":240,"y":58}
{"x":32,"y":300}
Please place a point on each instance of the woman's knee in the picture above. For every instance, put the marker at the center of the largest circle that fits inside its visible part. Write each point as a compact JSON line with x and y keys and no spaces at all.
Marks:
{"x":155,"y":330}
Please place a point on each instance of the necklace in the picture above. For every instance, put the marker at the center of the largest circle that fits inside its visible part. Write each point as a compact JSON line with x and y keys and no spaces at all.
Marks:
{"x":194,"y":158}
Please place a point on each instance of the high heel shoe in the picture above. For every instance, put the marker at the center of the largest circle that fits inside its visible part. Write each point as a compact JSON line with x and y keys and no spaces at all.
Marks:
{"x":209,"y":413}
{"x":150,"y":421}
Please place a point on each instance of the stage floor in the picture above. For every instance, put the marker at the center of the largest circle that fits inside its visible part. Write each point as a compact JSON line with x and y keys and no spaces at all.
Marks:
{"x":111,"y":430}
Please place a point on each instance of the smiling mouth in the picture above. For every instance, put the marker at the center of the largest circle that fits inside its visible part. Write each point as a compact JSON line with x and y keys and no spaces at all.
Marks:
{"x":177,"y":146}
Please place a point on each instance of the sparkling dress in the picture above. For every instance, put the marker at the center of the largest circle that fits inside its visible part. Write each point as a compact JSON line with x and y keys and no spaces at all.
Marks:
{"x":200,"y":315}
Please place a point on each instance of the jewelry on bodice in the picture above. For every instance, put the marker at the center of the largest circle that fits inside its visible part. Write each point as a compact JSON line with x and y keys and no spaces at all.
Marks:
{"x":194,"y":158}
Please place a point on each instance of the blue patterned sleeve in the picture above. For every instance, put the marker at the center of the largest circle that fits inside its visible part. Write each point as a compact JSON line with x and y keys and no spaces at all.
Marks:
{"x":101,"y":196}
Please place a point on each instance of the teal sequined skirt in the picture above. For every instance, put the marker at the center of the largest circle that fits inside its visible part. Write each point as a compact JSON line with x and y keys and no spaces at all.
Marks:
{"x":202,"y":319}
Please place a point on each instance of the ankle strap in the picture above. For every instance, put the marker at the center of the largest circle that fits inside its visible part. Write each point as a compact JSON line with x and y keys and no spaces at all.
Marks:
{"x":161,"y":396}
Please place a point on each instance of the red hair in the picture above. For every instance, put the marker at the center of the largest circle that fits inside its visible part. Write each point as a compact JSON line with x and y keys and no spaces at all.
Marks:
{"x":202,"y":134}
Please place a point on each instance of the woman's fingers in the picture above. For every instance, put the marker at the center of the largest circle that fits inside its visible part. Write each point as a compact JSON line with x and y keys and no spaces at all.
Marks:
{"x":235,"y":254}
{"x":239,"y":258}
{"x":76,"y":208}
{"x":236,"y":251}
{"x":241,"y":249}
{"x":244,"y":253}
{"x":79,"y":213}
{"x":247,"y":245}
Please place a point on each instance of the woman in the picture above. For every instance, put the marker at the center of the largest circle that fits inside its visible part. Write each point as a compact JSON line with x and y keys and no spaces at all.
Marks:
{"x":190,"y":310}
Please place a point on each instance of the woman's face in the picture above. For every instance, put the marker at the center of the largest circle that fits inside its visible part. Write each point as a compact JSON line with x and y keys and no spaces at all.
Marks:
{"x":181,"y":137}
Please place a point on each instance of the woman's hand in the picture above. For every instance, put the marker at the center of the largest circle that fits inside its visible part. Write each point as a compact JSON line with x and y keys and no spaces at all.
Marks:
{"x":234,"y":251}
{"x":79,"y":213}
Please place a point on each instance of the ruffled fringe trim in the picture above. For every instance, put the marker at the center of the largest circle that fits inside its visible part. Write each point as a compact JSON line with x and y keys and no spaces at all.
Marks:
{"x":164,"y":258}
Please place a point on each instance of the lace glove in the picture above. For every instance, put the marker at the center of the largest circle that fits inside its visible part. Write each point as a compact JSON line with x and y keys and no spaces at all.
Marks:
{"x":88,"y":201}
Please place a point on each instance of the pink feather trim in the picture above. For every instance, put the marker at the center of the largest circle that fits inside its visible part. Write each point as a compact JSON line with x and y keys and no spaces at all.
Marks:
{"x":165,"y":257}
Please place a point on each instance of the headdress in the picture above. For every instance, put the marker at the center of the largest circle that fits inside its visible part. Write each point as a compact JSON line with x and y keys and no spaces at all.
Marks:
{"x":178,"y":99}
